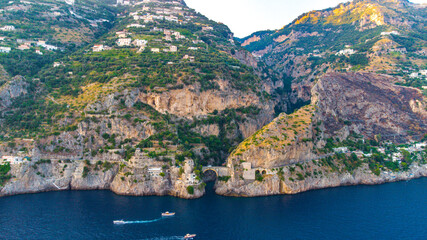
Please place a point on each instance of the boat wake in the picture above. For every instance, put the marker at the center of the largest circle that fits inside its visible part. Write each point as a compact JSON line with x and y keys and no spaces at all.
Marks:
{"x":139,"y":222}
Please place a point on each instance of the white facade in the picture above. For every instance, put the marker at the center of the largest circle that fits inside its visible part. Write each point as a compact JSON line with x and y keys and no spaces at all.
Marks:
{"x":173,"y":49}
{"x":155,"y":50}
{"x":341,"y":150}
{"x":7,"y":28}
{"x":12,"y":159}
{"x":140,"y":42}
{"x":154,"y":172}
{"x":98,"y":48}
{"x":390,"y":33}
{"x":5,"y":49}
{"x":124,"y":42}
{"x":346,"y":52}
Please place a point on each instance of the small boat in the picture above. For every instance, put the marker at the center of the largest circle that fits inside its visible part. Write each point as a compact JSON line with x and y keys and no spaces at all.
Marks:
{"x":168,"y":214}
{"x":119,"y":222}
{"x":189,"y":236}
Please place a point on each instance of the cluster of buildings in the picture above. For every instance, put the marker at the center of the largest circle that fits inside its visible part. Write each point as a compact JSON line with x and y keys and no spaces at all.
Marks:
{"x":395,"y":156}
{"x":421,"y":73}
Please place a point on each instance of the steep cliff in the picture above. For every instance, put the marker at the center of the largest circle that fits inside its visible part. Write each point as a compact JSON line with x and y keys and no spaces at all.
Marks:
{"x":327,"y":143}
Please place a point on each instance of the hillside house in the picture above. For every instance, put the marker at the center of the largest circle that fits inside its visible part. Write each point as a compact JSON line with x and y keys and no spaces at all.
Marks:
{"x":98,"y":48}
{"x":135,"y":25}
{"x":23,"y":47}
{"x":390,"y":33}
{"x":121,"y":34}
{"x":155,"y":50}
{"x":173,"y":48}
{"x":341,"y":150}
{"x":207,"y":28}
{"x":5,"y":49}
{"x":121,"y":42}
{"x":7,"y":28}
{"x":346,"y":52}
{"x":140,"y":42}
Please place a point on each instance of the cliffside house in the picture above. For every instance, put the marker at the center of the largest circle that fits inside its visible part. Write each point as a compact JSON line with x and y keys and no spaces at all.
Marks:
{"x":191,"y":178}
{"x":12,"y":159}
{"x":154,"y":172}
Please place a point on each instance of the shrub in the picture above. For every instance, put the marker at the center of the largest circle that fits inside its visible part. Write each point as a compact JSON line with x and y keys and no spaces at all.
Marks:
{"x":85,"y":172}
{"x":190,"y":190}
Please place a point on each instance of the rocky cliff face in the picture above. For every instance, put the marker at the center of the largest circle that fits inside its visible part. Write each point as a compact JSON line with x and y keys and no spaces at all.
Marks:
{"x":369,"y":104}
{"x":10,"y":88}
{"x":286,"y":183}
{"x":288,"y":153}
{"x":42,"y":176}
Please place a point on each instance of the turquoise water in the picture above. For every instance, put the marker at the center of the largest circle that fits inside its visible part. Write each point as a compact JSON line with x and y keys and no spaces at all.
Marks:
{"x":389,"y":211}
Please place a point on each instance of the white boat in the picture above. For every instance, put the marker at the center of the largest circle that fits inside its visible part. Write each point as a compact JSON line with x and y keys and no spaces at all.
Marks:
{"x":168,"y":214}
{"x":189,"y":236}
{"x":119,"y":222}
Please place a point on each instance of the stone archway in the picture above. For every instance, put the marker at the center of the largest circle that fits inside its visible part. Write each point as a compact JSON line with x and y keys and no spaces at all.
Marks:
{"x":210,"y":175}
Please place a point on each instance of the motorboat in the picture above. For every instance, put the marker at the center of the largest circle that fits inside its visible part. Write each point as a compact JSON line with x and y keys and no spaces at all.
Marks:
{"x":119,"y":222}
{"x":189,"y":236}
{"x":168,"y":214}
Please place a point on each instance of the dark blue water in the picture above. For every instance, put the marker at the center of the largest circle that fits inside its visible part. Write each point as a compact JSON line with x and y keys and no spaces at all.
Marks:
{"x":390,"y":211}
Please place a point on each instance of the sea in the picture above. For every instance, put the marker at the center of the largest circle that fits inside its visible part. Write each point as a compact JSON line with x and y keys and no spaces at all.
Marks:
{"x":389,"y":211}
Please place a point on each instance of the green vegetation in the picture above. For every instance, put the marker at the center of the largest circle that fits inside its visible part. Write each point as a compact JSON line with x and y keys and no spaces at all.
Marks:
{"x":4,"y":176}
{"x":190,"y":190}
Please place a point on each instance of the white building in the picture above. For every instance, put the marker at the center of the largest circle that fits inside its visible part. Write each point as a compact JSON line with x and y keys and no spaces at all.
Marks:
{"x":57,"y":64}
{"x":5,"y":49}
{"x":207,"y":28}
{"x":413,"y":75}
{"x":98,"y":48}
{"x":124,"y":42}
{"x":341,"y":150}
{"x":390,"y":33}
{"x":39,"y":52}
{"x":154,"y":172}
{"x":397,"y":157}
{"x":7,"y":28}
{"x":346,"y":52}
{"x":121,"y":34}
{"x":193,"y":48}
{"x":140,"y":42}
{"x":135,"y":25}
{"x":12,"y":159}
{"x":191,"y":178}
{"x":173,"y":48}
{"x":155,"y":50}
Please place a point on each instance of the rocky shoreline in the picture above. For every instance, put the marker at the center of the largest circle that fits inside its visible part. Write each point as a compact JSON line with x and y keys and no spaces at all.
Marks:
{"x":59,"y":176}
{"x":274,"y":185}
{"x":54,"y":176}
